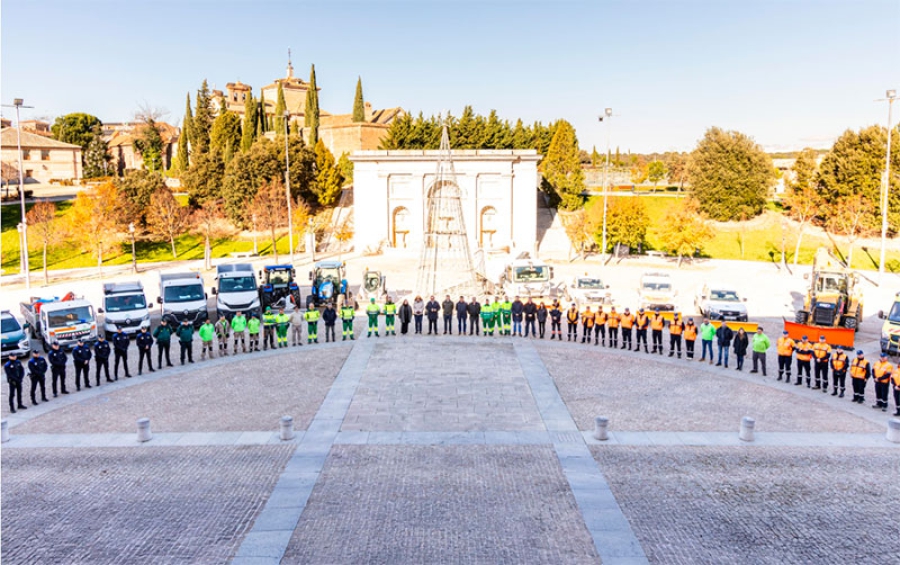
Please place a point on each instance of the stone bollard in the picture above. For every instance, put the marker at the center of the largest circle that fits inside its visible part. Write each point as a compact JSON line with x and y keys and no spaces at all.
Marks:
{"x":600,"y":425}
{"x":144,"y":433}
{"x":5,"y":428}
{"x":287,"y":428}
{"x":747,"y":424}
{"x":893,"y":430}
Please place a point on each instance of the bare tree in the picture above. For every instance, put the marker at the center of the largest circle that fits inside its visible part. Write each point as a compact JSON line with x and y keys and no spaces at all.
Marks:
{"x":209,"y":222}
{"x":851,"y":219}
{"x":167,"y":218}
{"x":269,"y":208}
{"x":41,"y":220}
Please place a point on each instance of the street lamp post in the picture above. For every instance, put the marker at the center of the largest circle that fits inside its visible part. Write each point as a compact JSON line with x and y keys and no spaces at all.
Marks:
{"x":607,"y":113}
{"x":133,"y":256}
{"x":19,"y":103}
{"x":891,"y":95}
{"x":287,"y":183}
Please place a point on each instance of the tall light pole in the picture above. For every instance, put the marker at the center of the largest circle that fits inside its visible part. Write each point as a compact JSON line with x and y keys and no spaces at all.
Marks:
{"x":607,"y":113}
{"x":287,"y":183}
{"x":19,"y":103}
{"x":891,"y":95}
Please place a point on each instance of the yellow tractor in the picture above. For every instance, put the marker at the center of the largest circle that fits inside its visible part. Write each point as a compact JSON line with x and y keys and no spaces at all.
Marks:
{"x":833,"y":305}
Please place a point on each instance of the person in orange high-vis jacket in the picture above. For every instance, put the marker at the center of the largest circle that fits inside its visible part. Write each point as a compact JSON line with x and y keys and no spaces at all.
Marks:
{"x":657,"y":323}
{"x":881,"y":374}
{"x":676,"y":328}
{"x":612,"y":322}
{"x":804,"y":351}
{"x":587,"y":324}
{"x":600,"y":326}
{"x":785,"y":349}
{"x":627,"y":322}
{"x":690,"y":337}
{"x":839,"y":364}
{"x":642,"y":322}
{"x":821,"y":354}
{"x":860,"y":371}
{"x":895,"y":382}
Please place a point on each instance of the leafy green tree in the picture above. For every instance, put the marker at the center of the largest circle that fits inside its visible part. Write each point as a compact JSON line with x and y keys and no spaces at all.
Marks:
{"x":280,"y":108}
{"x":656,"y":171}
{"x":359,"y":103}
{"x":521,"y":136}
{"x":398,"y":133}
{"x":730,"y":175}
{"x":345,"y":165}
{"x":148,"y":142}
{"x":683,"y":229}
{"x":182,"y":159}
{"x":248,"y":127}
{"x":496,"y":133}
{"x":76,"y":128}
{"x":626,"y":222}
{"x":561,"y":167}
{"x":469,"y":130}
{"x":329,"y":180}
{"x":135,"y":189}
{"x":312,"y":108}
{"x":677,"y":164}
{"x":203,"y":180}
{"x":96,"y":156}
{"x":201,"y":123}
{"x":855,"y":166}
{"x":225,"y":136}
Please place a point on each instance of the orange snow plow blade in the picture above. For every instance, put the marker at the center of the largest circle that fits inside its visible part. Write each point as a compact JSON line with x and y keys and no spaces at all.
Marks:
{"x":842,"y":337}
{"x":749,"y":327}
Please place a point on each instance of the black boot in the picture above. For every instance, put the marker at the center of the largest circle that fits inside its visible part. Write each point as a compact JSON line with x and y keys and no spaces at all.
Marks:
{"x":835,"y":392}
{"x":841,"y":395}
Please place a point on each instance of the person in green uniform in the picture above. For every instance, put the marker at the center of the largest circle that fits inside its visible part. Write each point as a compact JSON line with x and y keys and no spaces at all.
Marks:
{"x":268,"y":329}
{"x":372,"y":311}
{"x":239,"y":331}
{"x":186,"y":340}
{"x":312,"y":324}
{"x":253,"y":325}
{"x":282,"y":323}
{"x":487,"y":317}
{"x":206,"y":332}
{"x":504,"y":322}
{"x":347,"y":314}
{"x":390,"y":310}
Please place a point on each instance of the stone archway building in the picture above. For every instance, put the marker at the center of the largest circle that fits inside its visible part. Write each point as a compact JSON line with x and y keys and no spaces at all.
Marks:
{"x":499,"y":197}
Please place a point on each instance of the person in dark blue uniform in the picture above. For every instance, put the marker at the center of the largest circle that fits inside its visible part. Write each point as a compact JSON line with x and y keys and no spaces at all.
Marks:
{"x":120,"y":343}
{"x":37,"y":372}
{"x":14,"y":375}
{"x":145,"y":346}
{"x":81,"y":356}
{"x":101,"y":354}
{"x":58,"y":360}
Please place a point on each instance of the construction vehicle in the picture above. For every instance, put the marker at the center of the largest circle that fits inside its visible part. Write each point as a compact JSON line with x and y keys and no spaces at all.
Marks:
{"x":833,"y":305}
{"x":374,"y":286}
{"x":236,"y":290}
{"x":329,"y":284}
{"x":890,"y":330}
{"x":125,"y":307}
{"x":181,"y":297}
{"x":64,"y":321}
{"x":278,"y":286}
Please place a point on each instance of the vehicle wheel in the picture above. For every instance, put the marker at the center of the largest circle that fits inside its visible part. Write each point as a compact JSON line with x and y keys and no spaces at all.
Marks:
{"x":801,"y":317}
{"x":851,"y":323}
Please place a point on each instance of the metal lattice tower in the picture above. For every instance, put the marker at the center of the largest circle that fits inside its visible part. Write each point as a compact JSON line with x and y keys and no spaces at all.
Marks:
{"x":445,"y":266}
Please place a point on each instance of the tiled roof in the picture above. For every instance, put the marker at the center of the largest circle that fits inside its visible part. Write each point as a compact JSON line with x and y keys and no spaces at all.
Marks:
{"x":32,"y":141}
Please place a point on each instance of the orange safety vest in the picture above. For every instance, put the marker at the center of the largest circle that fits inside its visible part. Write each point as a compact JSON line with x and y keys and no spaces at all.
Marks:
{"x":600,"y":318}
{"x":858,"y":368}
{"x":882,"y":372}
{"x":839,"y":361}
{"x":804,"y":351}
{"x":572,"y":315}
{"x":587,"y":318}
{"x":785,"y":346}
{"x":690,"y":332}
{"x":821,"y":351}
{"x":613,"y":320}
{"x":895,"y":377}
{"x":676,"y":327}
{"x":657,"y":323}
{"x":627,"y":321}
{"x":642,"y":321}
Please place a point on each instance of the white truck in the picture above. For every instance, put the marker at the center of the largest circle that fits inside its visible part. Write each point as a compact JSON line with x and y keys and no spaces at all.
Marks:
{"x":181,"y":297}
{"x":124,"y":306}
{"x":236,"y":290}
{"x":62,"y":321}
{"x":719,"y":301}
{"x":587,"y":290}
{"x":526,"y":277}
{"x":657,"y":292}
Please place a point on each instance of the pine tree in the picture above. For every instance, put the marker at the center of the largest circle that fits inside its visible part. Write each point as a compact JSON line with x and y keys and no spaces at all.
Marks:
{"x":561,"y":167}
{"x":312,"y":108}
{"x":520,"y":136}
{"x":359,"y":105}
{"x":202,"y":121}
{"x":96,"y":157}
{"x":280,"y":107}
{"x":248,"y":128}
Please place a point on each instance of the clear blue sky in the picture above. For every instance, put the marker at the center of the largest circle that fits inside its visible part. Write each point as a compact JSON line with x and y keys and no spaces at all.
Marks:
{"x":788,"y":73}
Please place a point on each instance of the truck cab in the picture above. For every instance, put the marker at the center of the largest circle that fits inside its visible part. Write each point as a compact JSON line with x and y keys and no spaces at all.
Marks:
{"x":15,"y":339}
{"x":657,"y":292}
{"x":182,"y":297}
{"x":124,"y":306}
{"x":890,"y":330}
{"x":236,"y":290}
{"x":61,"y":321}
{"x":527,"y":278}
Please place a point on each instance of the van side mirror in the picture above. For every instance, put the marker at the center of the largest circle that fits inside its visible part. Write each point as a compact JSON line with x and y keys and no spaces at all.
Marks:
{"x":551,"y":272}
{"x":215,"y":291}
{"x":310,"y":275}
{"x":743,"y":300}
{"x":159,"y":299}
{"x":26,"y":325}
{"x":881,"y":314}
{"x":100,"y":311}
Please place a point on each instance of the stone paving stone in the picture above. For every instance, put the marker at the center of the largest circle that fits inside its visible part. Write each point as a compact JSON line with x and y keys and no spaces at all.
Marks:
{"x":766,"y":505}
{"x":458,"y":386}
{"x":651,"y":396}
{"x":245,"y":395}
{"x":134,"y":505}
{"x":441,"y":504}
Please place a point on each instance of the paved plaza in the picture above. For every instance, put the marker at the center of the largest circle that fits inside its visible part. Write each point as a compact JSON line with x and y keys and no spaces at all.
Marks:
{"x":419,"y":449}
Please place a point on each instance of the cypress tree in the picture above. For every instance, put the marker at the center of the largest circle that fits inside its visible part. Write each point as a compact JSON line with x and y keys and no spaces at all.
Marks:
{"x":280,"y":107}
{"x":202,"y":121}
{"x":312,"y":108}
{"x":182,"y":158}
{"x":359,"y":105}
{"x":263,"y":118}
{"x":248,"y":128}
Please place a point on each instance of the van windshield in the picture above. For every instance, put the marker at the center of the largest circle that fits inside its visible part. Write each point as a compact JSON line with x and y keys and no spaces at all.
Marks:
{"x":657,"y":286}
{"x":125,"y":303}
{"x":531,"y":274}
{"x":70,"y":316}
{"x":237,"y":284}
{"x":189,"y":293}
{"x":894,"y":316}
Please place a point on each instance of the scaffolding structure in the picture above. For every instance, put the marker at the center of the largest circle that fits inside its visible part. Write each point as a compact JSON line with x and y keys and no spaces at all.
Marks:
{"x":445,"y":265}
